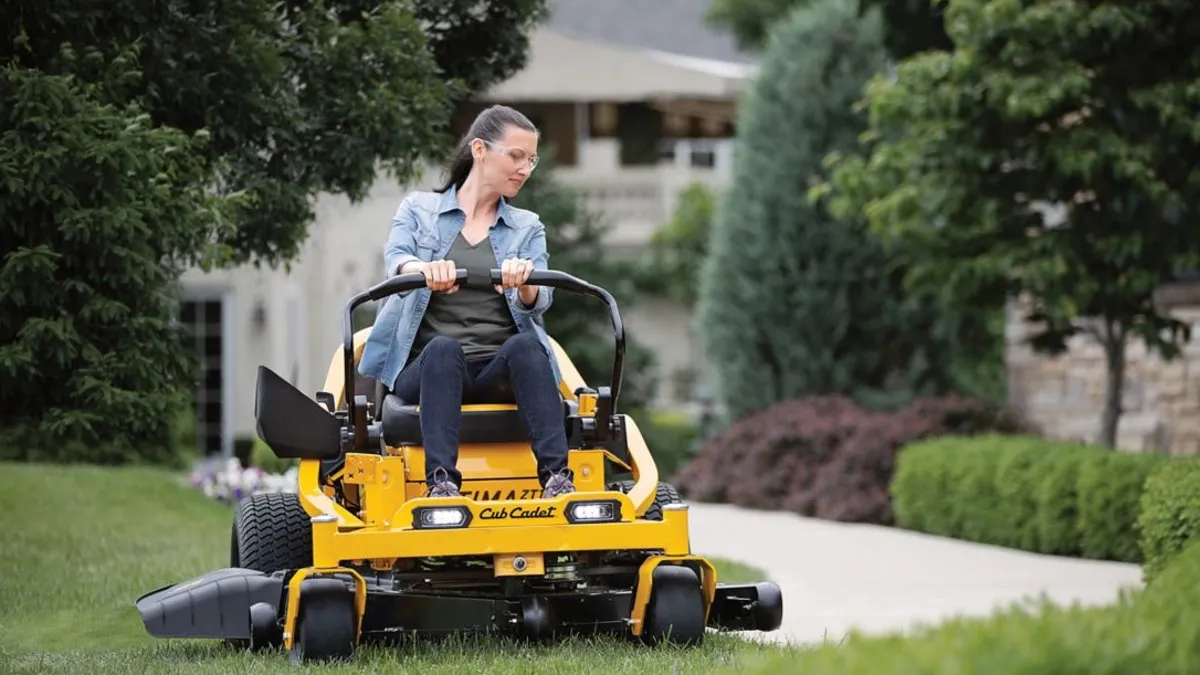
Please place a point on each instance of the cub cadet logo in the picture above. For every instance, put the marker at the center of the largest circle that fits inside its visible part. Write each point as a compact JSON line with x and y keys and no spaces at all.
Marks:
{"x":499,"y":495}
{"x":517,"y":512}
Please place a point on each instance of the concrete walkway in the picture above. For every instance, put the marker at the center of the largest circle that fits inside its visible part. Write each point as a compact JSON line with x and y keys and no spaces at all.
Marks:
{"x":884,"y":580}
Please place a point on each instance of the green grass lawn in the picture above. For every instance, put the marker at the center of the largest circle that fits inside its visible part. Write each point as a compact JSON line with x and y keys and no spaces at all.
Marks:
{"x":82,"y":543}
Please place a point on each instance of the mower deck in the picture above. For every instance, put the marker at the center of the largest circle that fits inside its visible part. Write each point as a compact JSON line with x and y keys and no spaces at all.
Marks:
{"x":218,"y":605}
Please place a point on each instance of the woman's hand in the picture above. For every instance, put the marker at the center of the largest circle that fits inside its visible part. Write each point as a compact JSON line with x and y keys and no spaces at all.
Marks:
{"x":441,"y":275}
{"x":514,"y":272}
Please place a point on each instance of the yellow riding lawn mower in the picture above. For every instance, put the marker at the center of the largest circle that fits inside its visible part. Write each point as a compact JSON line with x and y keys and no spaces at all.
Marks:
{"x":360,"y":553}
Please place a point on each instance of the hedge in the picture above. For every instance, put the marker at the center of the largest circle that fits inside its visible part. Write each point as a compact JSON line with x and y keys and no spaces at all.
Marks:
{"x":1156,"y":630}
{"x":826,"y":456}
{"x":1169,"y":512}
{"x":1024,"y":492}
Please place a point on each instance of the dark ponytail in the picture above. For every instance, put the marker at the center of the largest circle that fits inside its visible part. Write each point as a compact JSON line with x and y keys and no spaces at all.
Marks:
{"x":490,"y":125}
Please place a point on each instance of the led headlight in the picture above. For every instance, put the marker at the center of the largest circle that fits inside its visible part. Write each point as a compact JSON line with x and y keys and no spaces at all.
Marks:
{"x":440,"y":517}
{"x":604,"y":511}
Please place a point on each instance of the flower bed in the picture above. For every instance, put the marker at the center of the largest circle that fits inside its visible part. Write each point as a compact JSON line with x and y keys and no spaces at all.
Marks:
{"x":228,"y":481}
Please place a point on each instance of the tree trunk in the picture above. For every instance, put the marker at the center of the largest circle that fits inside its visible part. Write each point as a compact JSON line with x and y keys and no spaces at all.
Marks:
{"x":1114,"y":357}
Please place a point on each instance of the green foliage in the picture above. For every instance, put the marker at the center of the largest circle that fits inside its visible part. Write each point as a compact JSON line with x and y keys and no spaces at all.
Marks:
{"x":910,"y":26}
{"x":1057,"y":496}
{"x":101,"y":210}
{"x":1169,"y":513}
{"x":792,"y":302}
{"x":1155,"y":630}
{"x":1109,"y":492}
{"x":1083,"y":108}
{"x":299,"y":98}
{"x":1024,"y":492}
{"x":827,"y":457}
{"x":575,"y":238}
{"x":140,"y":139}
{"x":678,"y":248}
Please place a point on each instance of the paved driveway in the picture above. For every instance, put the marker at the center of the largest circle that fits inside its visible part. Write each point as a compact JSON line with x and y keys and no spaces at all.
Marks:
{"x":880,"y":579}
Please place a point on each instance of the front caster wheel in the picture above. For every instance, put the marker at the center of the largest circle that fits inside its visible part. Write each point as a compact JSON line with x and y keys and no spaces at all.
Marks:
{"x":327,"y":624}
{"x":675,"y":613}
{"x":265,"y":632}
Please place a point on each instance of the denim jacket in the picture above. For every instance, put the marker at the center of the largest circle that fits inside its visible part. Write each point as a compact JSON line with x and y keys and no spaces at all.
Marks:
{"x":424,"y":228}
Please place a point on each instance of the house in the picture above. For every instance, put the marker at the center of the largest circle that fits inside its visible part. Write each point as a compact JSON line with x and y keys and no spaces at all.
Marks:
{"x":638,"y":99}
{"x":1064,"y":395}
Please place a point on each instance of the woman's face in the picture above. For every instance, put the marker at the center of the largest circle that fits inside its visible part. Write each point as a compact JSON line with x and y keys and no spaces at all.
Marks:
{"x":506,"y":163}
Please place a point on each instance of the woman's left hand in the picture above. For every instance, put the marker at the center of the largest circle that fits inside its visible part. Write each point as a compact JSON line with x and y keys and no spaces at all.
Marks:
{"x":514,"y":272}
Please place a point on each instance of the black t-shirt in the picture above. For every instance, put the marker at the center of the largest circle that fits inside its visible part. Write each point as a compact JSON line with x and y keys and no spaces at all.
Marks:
{"x":477,"y":318}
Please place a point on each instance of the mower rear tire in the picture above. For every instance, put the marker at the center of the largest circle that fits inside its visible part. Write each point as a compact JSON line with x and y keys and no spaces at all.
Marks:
{"x":271,"y":532}
{"x":675,"y":613}
{"x":665,"y":494}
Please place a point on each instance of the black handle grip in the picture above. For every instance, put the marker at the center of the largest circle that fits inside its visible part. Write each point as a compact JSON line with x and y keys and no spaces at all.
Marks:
{"x":406,"y":282}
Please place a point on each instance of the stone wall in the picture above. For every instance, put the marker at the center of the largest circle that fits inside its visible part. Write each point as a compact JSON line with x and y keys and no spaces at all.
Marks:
{"x":1064,"y":395}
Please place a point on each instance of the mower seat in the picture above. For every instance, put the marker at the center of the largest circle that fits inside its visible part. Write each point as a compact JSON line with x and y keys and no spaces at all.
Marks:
{"x":487,"y":423}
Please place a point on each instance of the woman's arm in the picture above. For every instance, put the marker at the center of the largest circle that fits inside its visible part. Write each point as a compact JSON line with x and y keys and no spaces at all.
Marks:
{"x":401,"y":247}
{"x":535,"y":300}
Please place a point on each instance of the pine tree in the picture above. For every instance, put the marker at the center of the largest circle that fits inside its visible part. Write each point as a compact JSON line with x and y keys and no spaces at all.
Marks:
{"x":100,"y":211}
{"x":120,"y":127}
{"x":792,"y":301}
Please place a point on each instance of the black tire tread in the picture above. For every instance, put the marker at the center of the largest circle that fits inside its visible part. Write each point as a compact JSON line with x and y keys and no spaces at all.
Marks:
{"x":272,"y":532}
{"x":664,"y":494}
{"x":325,"y":631}
{"x":675,"y":614}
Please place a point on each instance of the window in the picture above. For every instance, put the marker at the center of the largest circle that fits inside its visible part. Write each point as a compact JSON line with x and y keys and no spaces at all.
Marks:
{"x":202,"y":320}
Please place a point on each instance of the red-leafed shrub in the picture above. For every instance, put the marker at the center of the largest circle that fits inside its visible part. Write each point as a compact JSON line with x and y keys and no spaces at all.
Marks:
{"x":825,"y":457}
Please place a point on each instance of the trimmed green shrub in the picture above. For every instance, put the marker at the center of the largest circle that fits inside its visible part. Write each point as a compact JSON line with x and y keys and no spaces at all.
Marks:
{"x":1057,"y":516}
{"x":1109,"y":490}
{"x":1169,"y":512}
{"x":1024,"y":492}
{"x":1156,"y":630}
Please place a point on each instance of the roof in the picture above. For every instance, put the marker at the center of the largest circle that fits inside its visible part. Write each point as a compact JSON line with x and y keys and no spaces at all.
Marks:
{"x":565,"y":68}
{"x":672,"y":26}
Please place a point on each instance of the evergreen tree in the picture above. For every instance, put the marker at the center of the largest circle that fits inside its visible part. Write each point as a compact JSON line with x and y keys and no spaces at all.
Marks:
{"x":910,"y":26}
{"x":793,"y":302}
{"x":299,"y":99}
{"x":140,"y":138}
{"x":99,"y":211}
{"x":575,"y":239}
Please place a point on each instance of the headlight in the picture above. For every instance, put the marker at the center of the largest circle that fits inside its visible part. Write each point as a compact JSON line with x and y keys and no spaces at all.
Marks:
{"x":607,"y":511}
{"x":440,"y":517}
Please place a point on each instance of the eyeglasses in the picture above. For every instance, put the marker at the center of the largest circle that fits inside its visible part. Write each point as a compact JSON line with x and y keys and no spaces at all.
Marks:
{"x":516,"y":155}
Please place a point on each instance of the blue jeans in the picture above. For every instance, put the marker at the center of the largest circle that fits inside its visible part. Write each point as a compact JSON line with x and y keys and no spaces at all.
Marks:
{"x":441,"y":379}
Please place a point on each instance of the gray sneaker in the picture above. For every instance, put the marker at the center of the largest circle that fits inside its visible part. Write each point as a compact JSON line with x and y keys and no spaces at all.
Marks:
{"x":558,"y":484}
{"x":442,"y":485}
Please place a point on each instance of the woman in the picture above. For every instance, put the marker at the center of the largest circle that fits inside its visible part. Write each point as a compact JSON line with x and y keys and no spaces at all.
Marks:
{"x":441,"y":345}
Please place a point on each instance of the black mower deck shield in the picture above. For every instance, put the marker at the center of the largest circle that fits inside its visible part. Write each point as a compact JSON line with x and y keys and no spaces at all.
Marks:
{"x":217,"y":605}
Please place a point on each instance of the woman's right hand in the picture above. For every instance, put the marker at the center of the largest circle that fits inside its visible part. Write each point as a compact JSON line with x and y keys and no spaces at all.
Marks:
{"x":440,"y":275}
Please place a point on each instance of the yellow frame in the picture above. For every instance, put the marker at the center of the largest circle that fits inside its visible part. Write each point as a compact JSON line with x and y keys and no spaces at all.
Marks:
{"x":395,"y":476}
